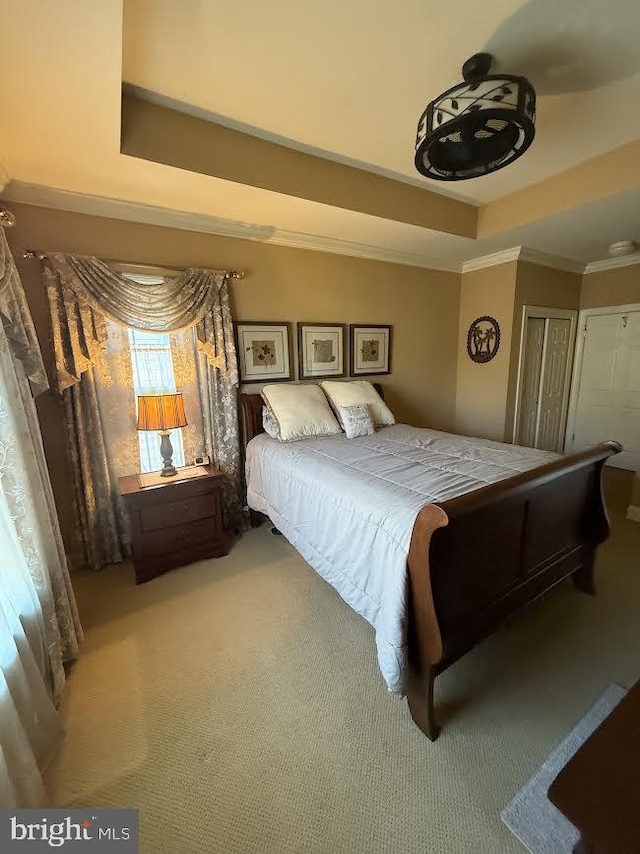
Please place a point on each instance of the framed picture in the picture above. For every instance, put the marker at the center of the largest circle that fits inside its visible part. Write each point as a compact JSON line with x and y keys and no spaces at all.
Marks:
{"x":264,"y":351}
{"x":370,"y":348}
{"x":321,"y":350}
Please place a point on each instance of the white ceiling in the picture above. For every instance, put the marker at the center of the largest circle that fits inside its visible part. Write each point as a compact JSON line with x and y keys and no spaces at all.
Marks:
{"x":349,"y":79}
{"x":353,"y":78}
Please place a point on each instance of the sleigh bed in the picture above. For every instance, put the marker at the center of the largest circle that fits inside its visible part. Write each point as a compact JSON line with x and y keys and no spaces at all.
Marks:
{"x":473,"y":560}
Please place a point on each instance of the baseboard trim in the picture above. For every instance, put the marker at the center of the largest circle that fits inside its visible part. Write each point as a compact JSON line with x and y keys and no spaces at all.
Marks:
{"x":633,"y":513}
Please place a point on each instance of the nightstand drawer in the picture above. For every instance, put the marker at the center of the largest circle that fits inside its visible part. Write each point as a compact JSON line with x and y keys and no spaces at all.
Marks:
{"x":176,"y":538}
{"x":170,"y":513}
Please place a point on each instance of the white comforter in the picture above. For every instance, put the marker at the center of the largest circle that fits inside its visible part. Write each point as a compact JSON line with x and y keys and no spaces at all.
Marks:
{"x":349,"y":505}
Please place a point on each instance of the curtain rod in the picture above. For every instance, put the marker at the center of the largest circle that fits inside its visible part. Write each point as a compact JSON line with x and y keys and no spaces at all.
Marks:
{"x":42,"y":256}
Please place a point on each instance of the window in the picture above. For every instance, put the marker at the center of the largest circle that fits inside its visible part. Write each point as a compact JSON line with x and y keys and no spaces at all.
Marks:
{"x":153,"y":373}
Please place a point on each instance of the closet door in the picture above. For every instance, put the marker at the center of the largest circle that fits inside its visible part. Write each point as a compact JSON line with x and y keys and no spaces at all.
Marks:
{"x":534,"y":342}
{"x":546,"y":348}
{"x":554,"y":377}
{"x":608,"y":405}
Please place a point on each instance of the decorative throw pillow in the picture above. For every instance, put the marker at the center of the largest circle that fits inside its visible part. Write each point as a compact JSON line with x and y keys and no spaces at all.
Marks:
{"x":270,"y":424}
{"x":300,"y":410}
{"x":359,"y":391}
{"x":357,"y":420}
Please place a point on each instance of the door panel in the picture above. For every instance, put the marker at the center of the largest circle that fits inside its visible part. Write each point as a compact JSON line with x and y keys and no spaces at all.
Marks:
{"x":534,"y":337}
{"x":608,"y":405}
{"x":556,"y":356}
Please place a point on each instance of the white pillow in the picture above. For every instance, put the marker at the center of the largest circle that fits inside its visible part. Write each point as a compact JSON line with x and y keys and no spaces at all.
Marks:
{"x":357,"y":420}
{"x":300,"y":411}
{"x":270,"y":424}
{"x":358,"y":391}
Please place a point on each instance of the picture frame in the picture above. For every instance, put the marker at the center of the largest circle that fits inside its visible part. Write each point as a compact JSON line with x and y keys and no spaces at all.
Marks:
{"x":264,"y":351}
{"x":369,"y":349}
{"x":321,"y":350}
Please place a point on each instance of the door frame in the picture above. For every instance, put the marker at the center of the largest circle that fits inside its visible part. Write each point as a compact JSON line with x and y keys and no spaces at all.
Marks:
{"x":547,"y":314}
{"x":577,"y":362}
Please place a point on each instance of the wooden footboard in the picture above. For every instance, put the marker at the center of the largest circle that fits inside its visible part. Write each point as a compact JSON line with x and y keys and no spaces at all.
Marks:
{"x":477,"y":559}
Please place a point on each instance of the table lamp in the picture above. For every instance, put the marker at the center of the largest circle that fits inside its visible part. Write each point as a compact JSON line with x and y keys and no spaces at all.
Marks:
{"x":164,"y":413}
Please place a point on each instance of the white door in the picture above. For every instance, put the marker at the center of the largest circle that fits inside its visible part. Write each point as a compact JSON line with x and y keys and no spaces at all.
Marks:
{"x":554,"y":379}
{"x":608,"y":401}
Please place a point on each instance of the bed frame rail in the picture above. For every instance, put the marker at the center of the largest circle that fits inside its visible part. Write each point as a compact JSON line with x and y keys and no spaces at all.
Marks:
{"x":476,"y":560}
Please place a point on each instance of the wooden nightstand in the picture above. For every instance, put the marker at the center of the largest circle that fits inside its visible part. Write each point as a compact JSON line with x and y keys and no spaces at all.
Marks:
{"x":174,"y":523}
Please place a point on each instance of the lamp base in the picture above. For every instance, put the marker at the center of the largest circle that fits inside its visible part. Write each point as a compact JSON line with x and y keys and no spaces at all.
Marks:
{"x":168,"y":470}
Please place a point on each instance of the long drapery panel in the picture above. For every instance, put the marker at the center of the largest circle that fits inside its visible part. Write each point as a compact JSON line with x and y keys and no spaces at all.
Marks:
{"x":218,"y":395}
{"x":17,"y":321}
{"x":101,"y":533}
{"x":39,"y":625}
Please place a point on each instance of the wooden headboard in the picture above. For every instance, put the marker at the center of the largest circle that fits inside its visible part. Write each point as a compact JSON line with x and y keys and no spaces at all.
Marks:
{"x":250,"y":414}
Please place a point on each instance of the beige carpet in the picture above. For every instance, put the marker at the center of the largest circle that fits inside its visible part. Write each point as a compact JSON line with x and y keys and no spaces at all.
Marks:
{"x":237,"y":703}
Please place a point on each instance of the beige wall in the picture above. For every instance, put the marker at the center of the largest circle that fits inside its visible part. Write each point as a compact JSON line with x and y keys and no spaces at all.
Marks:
{"x":281,"y":284}
{"x":481,"y":398}
{"x":485,"y":398}
{"x":543,"y":287}
{"x":611,"y":287}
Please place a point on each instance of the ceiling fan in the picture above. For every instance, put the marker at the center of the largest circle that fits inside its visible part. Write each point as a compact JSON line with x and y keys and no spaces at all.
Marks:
{"x":478,"y":126}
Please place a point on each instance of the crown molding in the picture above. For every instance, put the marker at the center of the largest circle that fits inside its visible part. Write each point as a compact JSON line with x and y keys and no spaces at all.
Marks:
{"x":557,"y":262}
{"x":613,"y":263}
{"x":492,"y":260}
{"x":336,"y":246}
{"x":523,"y":253}
{"x":50,"y":197}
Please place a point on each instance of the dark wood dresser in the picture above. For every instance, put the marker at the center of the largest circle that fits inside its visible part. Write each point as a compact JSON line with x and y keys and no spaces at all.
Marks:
{"x":598,"y":789}
{"x":174,"y":523}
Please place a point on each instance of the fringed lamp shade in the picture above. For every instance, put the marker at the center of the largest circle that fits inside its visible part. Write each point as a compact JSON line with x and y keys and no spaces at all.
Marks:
{"x":161,"y":412}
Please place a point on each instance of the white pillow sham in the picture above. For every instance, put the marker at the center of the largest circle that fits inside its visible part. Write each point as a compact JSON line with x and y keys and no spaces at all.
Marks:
{"x":300,"y":411}
{"x":357,"y":420}
{"x":353,"y":393}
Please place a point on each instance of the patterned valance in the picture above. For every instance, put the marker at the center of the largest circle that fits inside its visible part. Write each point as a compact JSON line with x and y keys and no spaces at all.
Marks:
{"x":17,"y":321}
{"x":83,"y":290}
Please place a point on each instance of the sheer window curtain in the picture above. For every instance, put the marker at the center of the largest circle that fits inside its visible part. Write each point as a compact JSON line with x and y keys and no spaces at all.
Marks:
{"x":156,"y":363}
{"x":153,"y":373}
{"x":39,"y":626}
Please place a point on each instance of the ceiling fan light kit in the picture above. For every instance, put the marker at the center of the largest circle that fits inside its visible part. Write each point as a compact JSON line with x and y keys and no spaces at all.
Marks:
{"x":478,"y":126}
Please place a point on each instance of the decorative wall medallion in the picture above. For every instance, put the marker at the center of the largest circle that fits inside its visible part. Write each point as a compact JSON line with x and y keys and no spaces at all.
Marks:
{"x":483,"y":339}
